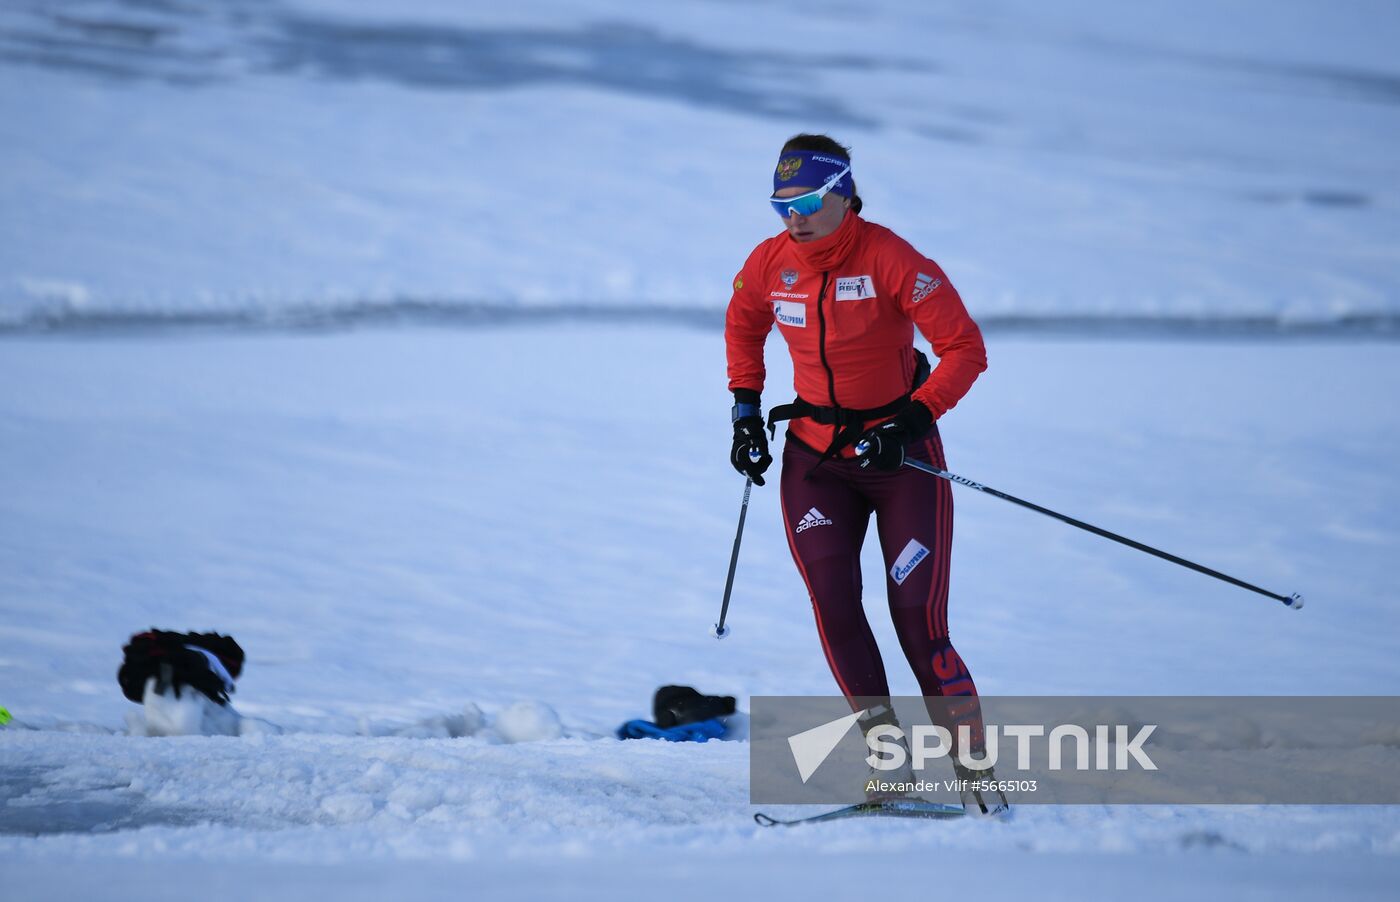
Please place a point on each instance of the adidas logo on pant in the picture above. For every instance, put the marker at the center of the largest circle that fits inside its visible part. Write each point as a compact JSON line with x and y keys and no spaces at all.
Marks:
{"x":812,"y":518}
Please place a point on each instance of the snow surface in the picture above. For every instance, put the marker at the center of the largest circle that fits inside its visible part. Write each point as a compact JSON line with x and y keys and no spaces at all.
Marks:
{"x":187,"y":713}
{"x":459,"y":558}
{"x":400,"y":525}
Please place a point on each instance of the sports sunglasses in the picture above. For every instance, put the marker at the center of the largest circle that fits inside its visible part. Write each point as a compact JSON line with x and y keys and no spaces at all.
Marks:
{"x":806,"y":204}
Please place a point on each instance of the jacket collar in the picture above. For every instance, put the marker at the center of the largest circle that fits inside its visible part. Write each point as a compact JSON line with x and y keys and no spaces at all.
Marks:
{"x":828,"y":252}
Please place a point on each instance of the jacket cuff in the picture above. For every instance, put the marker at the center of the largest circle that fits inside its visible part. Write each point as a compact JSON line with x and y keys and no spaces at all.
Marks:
{"x":917,"y":417}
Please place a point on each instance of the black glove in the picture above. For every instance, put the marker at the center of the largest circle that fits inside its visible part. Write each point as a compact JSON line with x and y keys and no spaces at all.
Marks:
{"x":884,"y":445}
{"x":749,"y":455}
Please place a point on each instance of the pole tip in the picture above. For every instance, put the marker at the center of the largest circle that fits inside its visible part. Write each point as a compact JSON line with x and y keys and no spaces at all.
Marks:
{"x":1295,"y":601}
{"x":719,"y":632}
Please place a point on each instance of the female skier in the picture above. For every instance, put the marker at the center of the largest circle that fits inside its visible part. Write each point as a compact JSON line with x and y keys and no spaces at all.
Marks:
{"x":847,"y":295}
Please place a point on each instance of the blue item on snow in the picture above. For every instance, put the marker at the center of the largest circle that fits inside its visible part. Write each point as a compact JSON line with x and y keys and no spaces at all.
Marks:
{"x":700,"y":731}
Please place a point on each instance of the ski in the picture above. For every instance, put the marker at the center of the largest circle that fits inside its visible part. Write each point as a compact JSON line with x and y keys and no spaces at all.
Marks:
{"x":894,"y":808}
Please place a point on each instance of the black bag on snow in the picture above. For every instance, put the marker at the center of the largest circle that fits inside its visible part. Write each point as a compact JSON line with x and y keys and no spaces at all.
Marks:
{"x":676,"y":705}
{"x":168,"y":657}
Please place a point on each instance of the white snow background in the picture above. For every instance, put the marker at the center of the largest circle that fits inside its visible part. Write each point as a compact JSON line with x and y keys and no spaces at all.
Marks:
{"x":229,"y":237}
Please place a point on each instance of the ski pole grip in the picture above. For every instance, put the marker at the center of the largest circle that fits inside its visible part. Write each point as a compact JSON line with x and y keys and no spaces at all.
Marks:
{"x":754,"y":455}
{"x":1295,"y":601}
{"x":862,"y":446}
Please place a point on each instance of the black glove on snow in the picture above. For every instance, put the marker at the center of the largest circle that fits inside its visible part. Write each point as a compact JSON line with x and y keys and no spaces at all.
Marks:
{"x":884,"y":445}
{"x":749,"y":455}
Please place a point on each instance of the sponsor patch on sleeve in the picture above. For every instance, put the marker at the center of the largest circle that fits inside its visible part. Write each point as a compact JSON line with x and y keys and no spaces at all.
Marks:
{"x":854,"y":288}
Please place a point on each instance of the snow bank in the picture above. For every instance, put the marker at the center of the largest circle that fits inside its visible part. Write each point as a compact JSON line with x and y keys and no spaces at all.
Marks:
{"x":190,"y":713}
{"x":528,"y":722}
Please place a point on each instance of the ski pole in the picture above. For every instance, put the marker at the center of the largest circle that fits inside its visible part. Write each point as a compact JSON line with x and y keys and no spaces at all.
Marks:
{"x":1294,"y":601}
{"x":720,"y":630}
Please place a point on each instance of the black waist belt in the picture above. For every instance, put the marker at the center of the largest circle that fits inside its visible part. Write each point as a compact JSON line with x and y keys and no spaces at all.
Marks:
{"x":850,"y":422}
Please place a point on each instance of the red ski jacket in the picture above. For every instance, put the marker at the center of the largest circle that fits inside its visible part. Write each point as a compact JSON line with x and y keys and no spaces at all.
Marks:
{"x":847,"y":304}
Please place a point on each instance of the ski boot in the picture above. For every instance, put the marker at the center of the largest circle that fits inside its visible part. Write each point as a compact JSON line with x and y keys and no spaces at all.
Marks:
{"x":977,"y":801}
{"x":888,"y":785}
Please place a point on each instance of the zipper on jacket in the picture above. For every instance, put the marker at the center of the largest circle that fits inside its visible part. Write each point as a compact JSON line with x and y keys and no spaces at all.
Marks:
{"x":821,"y":343}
